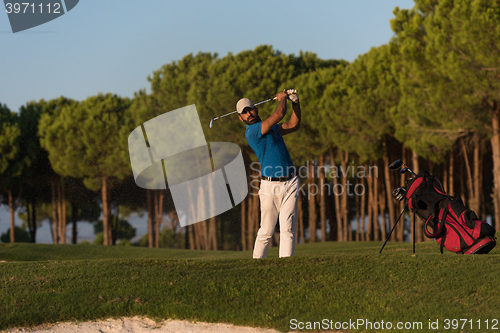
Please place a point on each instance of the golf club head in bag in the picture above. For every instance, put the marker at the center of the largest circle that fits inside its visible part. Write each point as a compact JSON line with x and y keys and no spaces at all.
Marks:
{"x":399,"y":193}
{"x":398,"y":164}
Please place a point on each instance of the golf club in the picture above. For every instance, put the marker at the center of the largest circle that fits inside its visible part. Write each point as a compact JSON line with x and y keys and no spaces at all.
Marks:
{"x":227,"y":114}
{"x":398,"y":164}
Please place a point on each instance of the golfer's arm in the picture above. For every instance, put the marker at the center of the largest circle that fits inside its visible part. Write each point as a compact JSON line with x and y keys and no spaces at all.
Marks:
{"x":294,"y":123}
{"x":275,"y":118}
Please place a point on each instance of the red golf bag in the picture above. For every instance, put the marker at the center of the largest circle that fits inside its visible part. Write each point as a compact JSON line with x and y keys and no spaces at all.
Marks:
{"x":446,"y":218}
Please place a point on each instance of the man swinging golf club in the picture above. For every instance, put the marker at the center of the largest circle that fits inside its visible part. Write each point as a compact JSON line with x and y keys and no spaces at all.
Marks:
{"x":279,"y":188}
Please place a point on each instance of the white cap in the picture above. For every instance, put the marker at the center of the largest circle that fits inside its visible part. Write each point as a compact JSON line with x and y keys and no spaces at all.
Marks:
{"x":244,"y":103}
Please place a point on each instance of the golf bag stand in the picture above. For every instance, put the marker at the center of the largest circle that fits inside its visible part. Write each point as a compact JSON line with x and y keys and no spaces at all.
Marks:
{"x":394,"y":227}
{"x":399,"y":193}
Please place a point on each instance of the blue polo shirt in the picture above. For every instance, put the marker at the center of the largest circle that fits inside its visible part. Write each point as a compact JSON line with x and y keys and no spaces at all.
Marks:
{"x":271,"y":151}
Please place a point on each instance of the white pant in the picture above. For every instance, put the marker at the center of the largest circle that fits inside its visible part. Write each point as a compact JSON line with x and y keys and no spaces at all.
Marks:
{"x":278,"y":200}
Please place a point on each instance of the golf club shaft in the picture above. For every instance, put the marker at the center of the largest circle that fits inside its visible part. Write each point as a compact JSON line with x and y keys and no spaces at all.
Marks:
{"x":224,"y":115}
{"x":227,"y":114}
{"x":410,"y":170}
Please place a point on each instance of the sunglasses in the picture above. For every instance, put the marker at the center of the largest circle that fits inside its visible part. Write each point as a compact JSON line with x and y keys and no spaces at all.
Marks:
{"x":247,"y":110}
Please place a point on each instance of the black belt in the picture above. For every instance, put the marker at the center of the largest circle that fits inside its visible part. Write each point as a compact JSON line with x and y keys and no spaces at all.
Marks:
{"x":279,"y":179}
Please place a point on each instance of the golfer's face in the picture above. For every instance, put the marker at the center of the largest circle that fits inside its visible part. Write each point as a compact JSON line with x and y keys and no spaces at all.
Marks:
{"x":249,"y":114}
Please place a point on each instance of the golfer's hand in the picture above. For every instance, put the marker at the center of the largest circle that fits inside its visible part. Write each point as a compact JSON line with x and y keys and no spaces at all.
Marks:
{"x":282,"y":96}
{"x":292,"y":95}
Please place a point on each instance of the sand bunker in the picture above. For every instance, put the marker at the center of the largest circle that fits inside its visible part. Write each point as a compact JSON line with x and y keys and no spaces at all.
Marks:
{"x":140,"y":325}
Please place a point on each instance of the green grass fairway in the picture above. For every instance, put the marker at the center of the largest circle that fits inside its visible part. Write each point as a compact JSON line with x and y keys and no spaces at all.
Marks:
{"x":324,"y":283}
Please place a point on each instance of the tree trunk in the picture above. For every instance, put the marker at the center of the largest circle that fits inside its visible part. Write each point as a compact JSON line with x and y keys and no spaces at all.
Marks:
{"x":105,"y":211}
{"x":150,"y":219}
{"x":376,"y":225}
{"x":253,"y":210}
{"x":477,"y":183}
{"x":159,"y":215}
{"x":419,"y":226}
{"x":201,"y":234}
{"x":468,"y":178}
{"x":480,"y":176}
{"x":300,"y":220}
{"x":400,"y":229}
{"x":415,"y":164}
{"x":369,"y":181}
{"x":330,"y":213}
{"x":219,"y":235}
{"x":445,"y":177}
{"x":55,"y":220}
{"x":358,"y":217}
{"x":63,"y":204}
{"x":51,"y":228}
{"x":62,"y":239}
{"x":330,"y":209}
{"x":243,"y":226}
{"x":495,"y":147}
{"x":12,"y":218}
{"x":388,"y":191}
{"x":451,"y":190}
{"x":204,"y":235}
{"x":465,"y":199}
{"x":174,"y":218}
{"x":33,"y":219}
{"x":311,"y":201}
{"x":191,"y":237}
{"x":346,"y":223}
{"x":382,"y":206}
{"x":197,"y":235}
{"x":362,"y":235}
{"x":474,"y":184}
{"x":431,"y":171}
{"x":251,"y":220}
{"x":256,"y":216}
{"x":213,"y":234}
{"x":29,"y":219}
{"x":322,"y":204}
{"x":74,"y":217}
{"x":338,"y":209}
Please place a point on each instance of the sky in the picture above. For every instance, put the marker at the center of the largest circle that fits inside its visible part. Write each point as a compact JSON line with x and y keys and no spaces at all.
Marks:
{"x":103,"y":46}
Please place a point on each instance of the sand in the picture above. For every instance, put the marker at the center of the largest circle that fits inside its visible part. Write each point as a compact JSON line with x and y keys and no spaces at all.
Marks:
{"x":139,"y":325}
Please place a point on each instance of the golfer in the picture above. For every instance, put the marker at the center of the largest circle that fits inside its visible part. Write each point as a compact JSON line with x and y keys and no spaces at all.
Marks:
{"x":279,"y":188}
